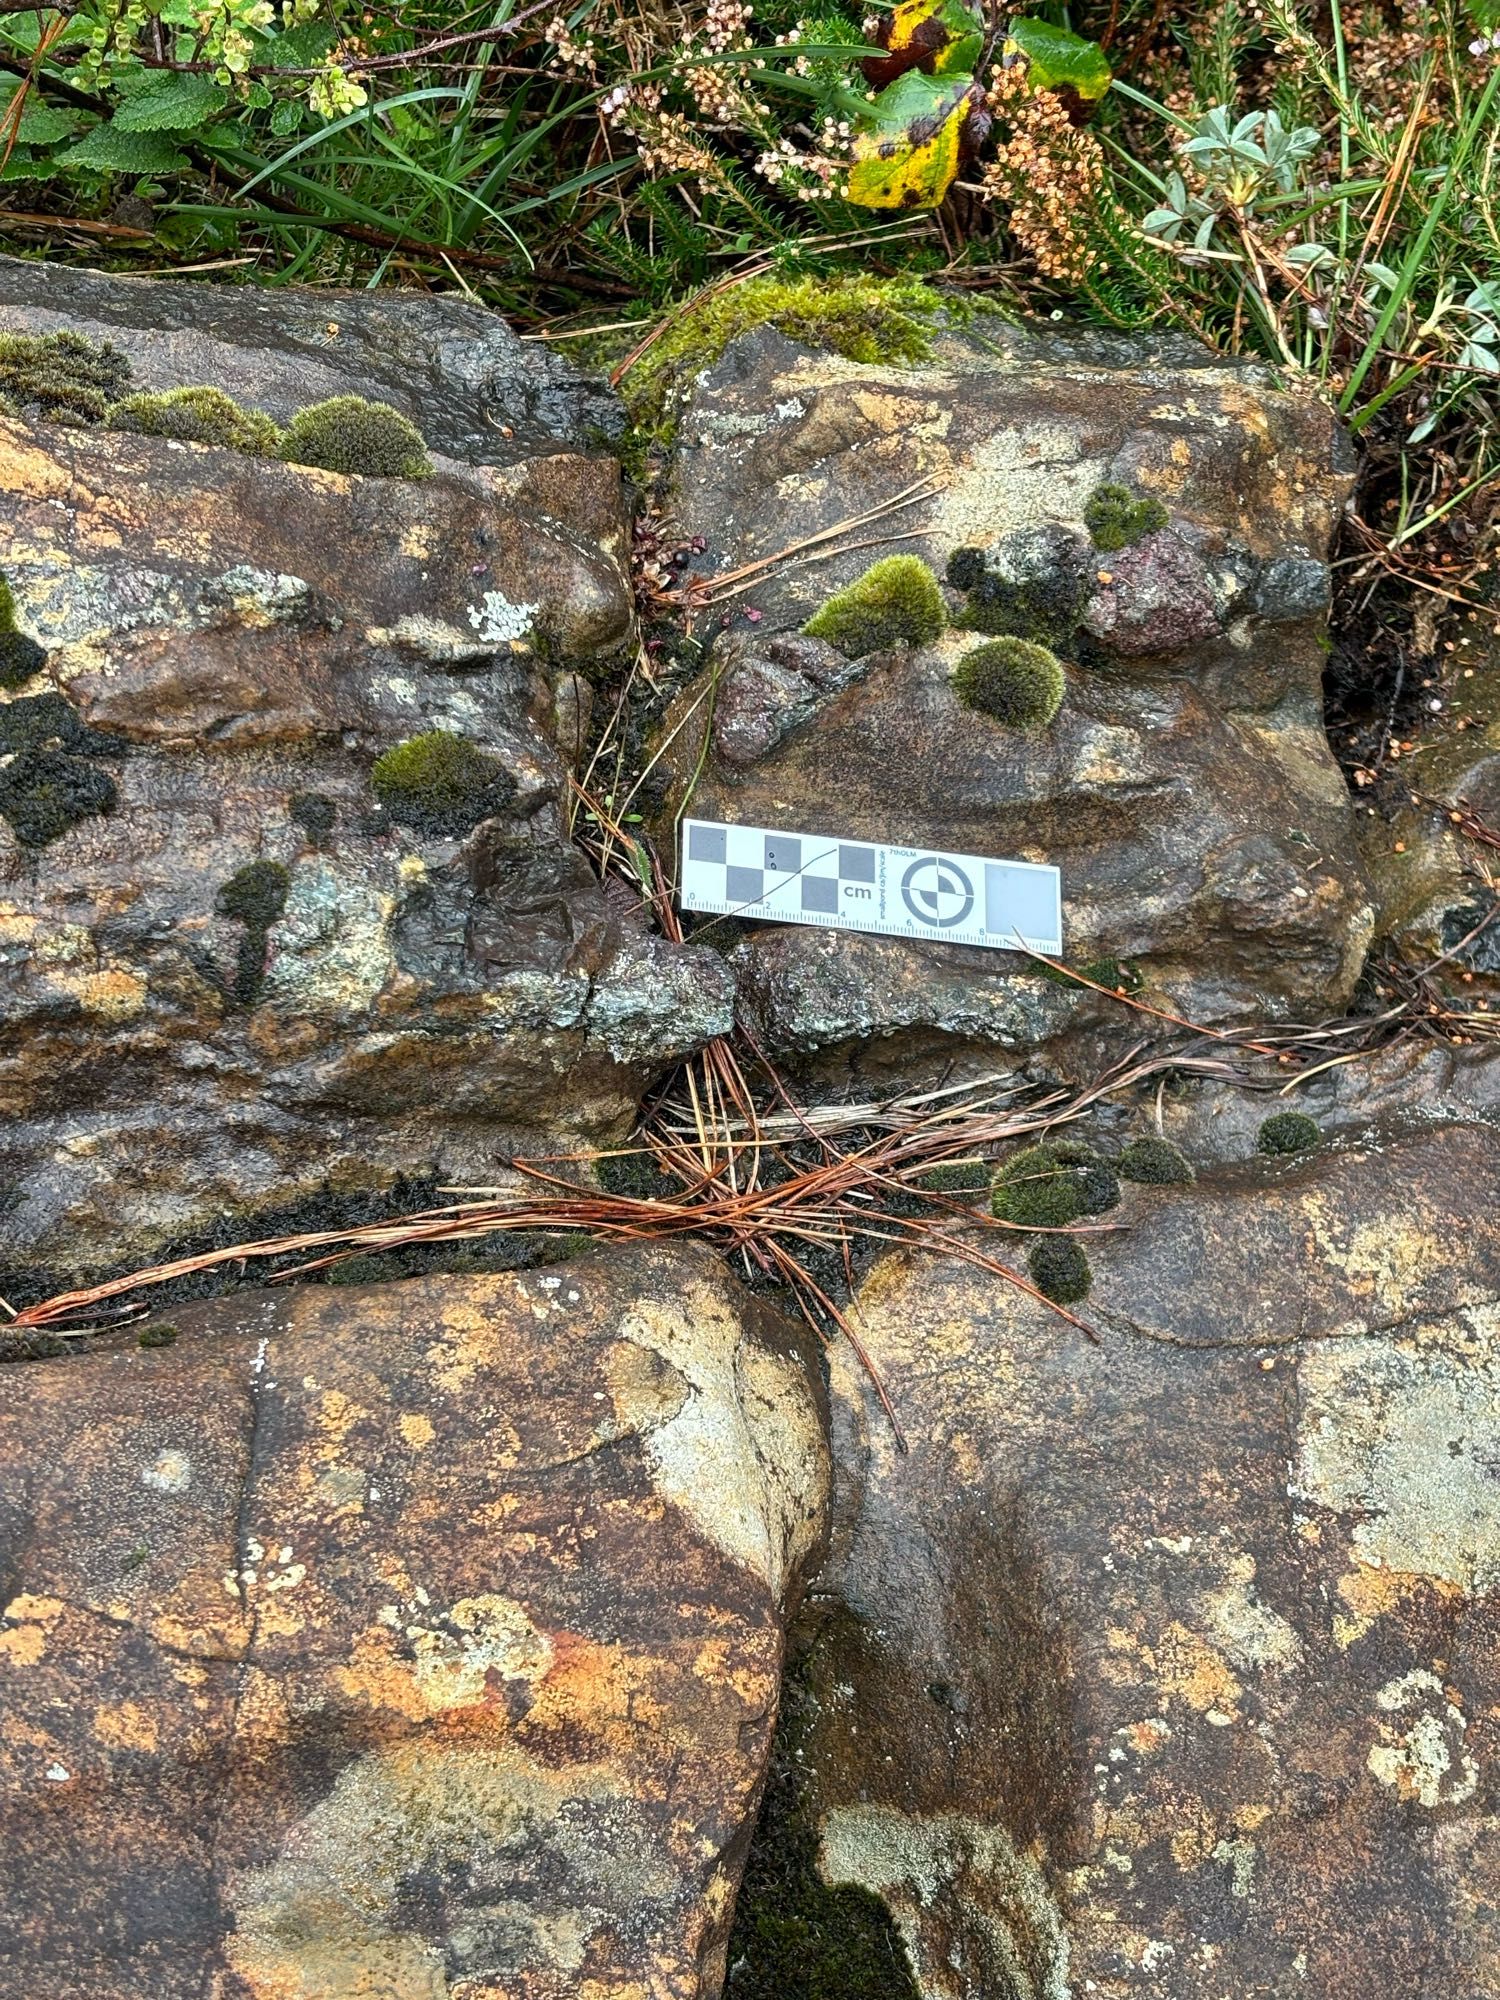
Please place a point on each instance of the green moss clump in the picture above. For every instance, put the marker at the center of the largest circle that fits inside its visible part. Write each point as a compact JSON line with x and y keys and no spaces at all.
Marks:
{"x":1041,"y":608}
{"x":20,"y":657}
{"x":1013,"y":681}
{"x":1060,"y":1270}
{"x":892,"y":320}
{"x":198,"y":416}
{"x":955,"y":1177}
{"x":50,"y":722}
{"x":966,"y":568}
{"x":636,"y":1175}
{"x":1051,"y":1185}
{"x":314,"y":813}
{"x":795,"y":1937}
{"x":61,"y":377}
{"x":44,"y":793}
{"x":254,"y":896}
{"x":160,"y":1333}
{"x":440,"y":784}
{"x":1288,"y":1132}
{"x":1156,"y":1163}
{"x":350,"y":434}
{"x":895,"y":603}
{"x":369,"y":1268}
{"x":1113,"y":973}
{"x":1115,"y":517}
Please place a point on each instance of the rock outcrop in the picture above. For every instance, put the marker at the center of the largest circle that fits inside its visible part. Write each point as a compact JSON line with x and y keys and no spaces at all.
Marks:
{"x":235,"y":974}
{"x":419,"y":1640}
{"x":1168,"y":1665}
{"x":1186,"y":789}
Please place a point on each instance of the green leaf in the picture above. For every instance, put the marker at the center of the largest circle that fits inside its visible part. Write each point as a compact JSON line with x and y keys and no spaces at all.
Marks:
{"x":908,"y":145}
{"x":939,"y":37}
{"x":285,"y":118}
{"x":109,"y":150}
{"x":41,"y":124}
{"x":300,"y":46}
{"x":1057,"y":59}
{"x":172,"y":104}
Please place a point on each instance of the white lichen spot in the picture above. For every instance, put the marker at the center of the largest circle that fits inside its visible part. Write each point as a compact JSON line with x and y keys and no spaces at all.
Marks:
{"x":498,"y":622}
{"x":1424,"y":1759}
{"x":57,"y":1773}
{"x":169,"y":1472}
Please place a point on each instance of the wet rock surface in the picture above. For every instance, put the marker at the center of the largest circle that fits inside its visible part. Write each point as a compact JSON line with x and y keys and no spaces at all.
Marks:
{"x":1186,"y":788}
{"x":1167,"y":1666}
{"x":475,"y":390}
{"x":419,"y":1640}
{"x":225,"y":649}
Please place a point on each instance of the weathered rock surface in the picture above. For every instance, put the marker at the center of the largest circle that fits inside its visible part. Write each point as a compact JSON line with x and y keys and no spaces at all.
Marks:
{"x":1168,"y":1666}
{"x":1186,"y":789}
{"x":419,"y":1641}
{"x":475,"y":390}
{"x":232,"y":643}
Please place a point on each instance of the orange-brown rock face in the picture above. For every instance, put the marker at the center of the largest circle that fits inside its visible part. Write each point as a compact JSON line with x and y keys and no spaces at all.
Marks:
{"x":419,"y":1641}
{"x":1171,"y":1665}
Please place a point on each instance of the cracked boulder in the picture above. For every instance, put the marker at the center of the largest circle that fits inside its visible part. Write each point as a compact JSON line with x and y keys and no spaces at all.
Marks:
{"x":1167,"y":1666}
{"x":236,"y":905}
{"x":417,"y":1640}
{"x":1160,"y":521}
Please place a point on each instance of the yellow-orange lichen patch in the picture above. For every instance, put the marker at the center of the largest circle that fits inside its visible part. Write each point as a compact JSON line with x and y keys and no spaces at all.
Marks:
{"x":125,"y":1725}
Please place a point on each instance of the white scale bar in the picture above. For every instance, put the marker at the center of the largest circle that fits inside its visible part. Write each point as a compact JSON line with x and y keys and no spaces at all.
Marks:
{"x":869,"y":885}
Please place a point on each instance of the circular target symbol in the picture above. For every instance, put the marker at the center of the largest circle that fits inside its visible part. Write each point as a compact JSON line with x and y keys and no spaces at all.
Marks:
{"x":937,"y":892}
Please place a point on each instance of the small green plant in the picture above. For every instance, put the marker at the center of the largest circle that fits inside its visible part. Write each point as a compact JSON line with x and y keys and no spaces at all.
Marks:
{"x":197,"y":416}
{"x":440,"y":783}
{"x":44,"y":793}
{"x":895,"y":603}
{"x":352,"y":435}
{"x":61,"y":377}
{"x":20,"y":656}
{"x":1288,"y":1132}
{"x":1050,"y":1185}
{"x":254,"y":896}
{"x":1155,"y":1163}
{"x":160,"y":1333}
{"x":1012,"y":681}
{"x":1060,"y":1270}
{"x":1115,"y":517}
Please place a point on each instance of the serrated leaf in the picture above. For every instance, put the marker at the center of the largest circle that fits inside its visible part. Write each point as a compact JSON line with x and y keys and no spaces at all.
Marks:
{"x":286,"y":116}
{"x":908,"y":145}
{"x":109,"y":150}
{"x":1057,"y":59}
{"x":300,"y":46}
{"x":938,"y":37}
{"x":172,"y":104}
{"x":24,"y":165}
{"x":41,"y":124}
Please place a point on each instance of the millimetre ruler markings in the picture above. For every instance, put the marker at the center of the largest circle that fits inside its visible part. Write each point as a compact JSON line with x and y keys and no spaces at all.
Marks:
{"x":869,"y":885}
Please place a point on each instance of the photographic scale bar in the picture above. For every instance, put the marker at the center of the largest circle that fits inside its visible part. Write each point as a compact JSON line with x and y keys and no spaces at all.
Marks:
{"x":777,"y":877}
